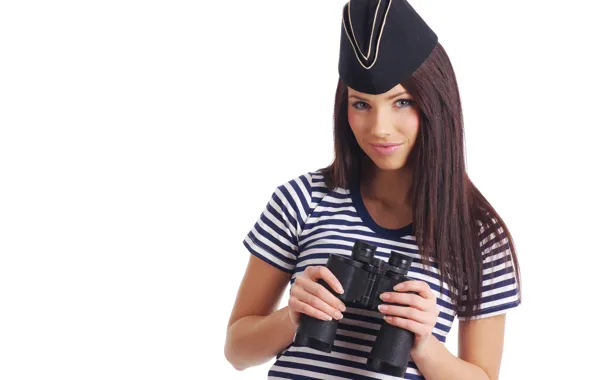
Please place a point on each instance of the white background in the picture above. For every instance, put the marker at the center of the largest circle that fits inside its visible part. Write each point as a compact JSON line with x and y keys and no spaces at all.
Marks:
{"x":139,"y":142}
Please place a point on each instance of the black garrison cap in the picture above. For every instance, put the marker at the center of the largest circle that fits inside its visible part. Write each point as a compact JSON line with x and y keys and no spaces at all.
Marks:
{"x":382,"y":43}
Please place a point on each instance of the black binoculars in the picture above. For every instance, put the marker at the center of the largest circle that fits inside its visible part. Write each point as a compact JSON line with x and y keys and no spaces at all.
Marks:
{"x":364,"y":278}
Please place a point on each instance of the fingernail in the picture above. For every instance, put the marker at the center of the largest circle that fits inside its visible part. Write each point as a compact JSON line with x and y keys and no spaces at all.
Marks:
{"x":383,"y":308}
{"x":342,"y":307}
{"x":339,"y":289}
{"x":384,"y":296}
{"x":338,"y":315}
{"x":398,"y":286}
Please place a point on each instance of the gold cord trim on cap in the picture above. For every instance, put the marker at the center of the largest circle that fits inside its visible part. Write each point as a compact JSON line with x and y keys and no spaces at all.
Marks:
{"x":354,"y":42}
{"x":371,"y":31}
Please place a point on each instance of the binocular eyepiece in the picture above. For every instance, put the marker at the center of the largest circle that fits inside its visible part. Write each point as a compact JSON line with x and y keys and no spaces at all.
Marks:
{"x":365,"y":253}
{"x":364,"y":277}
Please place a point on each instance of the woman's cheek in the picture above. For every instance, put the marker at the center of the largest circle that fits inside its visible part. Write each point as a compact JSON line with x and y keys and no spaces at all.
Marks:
{"x":350,"y":117}
{"x":353,"y":121}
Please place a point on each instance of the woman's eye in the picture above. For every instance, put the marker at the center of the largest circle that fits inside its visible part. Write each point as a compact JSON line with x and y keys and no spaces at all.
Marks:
{"x":356,"y":105}
{"x":403,"y":102}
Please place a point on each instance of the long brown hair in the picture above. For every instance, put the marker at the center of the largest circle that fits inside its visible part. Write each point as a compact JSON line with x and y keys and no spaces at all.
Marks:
{"x":448,"y":209}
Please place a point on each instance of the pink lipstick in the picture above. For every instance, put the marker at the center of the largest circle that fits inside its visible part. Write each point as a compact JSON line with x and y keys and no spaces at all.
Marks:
{"x":386,"y":149}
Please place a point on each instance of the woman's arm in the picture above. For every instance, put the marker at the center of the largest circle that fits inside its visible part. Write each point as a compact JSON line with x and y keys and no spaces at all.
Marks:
{"x":256,"y":332}
{"x":480,"y":351}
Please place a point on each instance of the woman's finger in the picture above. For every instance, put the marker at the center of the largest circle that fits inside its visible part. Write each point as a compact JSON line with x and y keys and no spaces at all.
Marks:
{"x":316,"y":272}
{"x":321,"y":292}
{"x":407,"y":299}
{"x":407,"y":312}
{"x":408,"y":324}
{"x":420,"y":287}
{"x":301,"y":307}
{"x":308,"y":298}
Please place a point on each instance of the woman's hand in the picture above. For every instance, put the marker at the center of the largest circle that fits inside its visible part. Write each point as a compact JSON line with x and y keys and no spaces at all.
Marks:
{"x":309,"y":297}
{"x":419,"y":316}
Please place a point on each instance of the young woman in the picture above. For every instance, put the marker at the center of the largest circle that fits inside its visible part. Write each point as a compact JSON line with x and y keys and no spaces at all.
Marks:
{"x":398,"y":181}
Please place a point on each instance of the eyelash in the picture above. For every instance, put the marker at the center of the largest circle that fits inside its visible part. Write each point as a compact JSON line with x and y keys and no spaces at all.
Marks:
{"x":409,"y":102}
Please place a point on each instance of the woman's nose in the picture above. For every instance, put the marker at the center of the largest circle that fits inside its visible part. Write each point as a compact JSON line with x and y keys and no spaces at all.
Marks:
{"x":381,"y":124}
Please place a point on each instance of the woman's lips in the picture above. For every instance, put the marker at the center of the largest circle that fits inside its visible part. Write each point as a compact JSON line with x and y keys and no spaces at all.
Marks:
{"x":386,"y":149}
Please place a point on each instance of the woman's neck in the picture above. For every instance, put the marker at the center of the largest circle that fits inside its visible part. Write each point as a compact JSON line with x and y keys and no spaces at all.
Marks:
{"x":389,"y":187}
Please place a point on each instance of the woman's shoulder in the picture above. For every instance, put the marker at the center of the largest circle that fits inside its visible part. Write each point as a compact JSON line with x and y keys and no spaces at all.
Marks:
{"x":309,"y":184}
{"x":304,"y":192}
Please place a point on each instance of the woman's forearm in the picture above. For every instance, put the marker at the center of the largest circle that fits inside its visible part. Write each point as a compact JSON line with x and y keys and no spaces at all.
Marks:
{"x":435,"y":362}
{"x":255,"y":339}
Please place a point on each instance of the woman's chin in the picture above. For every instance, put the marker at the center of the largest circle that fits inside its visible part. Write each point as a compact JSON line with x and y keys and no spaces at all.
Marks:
{"x":389,"y":163}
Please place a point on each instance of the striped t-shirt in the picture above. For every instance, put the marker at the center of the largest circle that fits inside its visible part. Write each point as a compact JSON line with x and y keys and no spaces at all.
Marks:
{"x":305,"y":221}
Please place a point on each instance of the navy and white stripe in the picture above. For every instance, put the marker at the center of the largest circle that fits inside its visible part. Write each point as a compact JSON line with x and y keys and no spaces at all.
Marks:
{"x":499,"y":286}
{"x":305,"y":221}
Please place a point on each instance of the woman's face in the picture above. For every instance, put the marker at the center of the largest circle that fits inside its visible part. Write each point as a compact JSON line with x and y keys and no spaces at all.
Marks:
{"x":385,"y":125}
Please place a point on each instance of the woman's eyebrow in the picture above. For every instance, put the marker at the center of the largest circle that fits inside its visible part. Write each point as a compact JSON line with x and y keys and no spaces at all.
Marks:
{"x":388,"y":97}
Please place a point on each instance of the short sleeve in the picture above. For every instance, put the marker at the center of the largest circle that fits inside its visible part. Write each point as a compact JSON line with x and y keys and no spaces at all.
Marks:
{"x":274,"y":237}
{"x":500,"y":289}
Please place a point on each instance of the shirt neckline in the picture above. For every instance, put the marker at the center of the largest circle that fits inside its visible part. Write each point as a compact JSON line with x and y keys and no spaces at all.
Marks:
{"x":363,"y":213}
